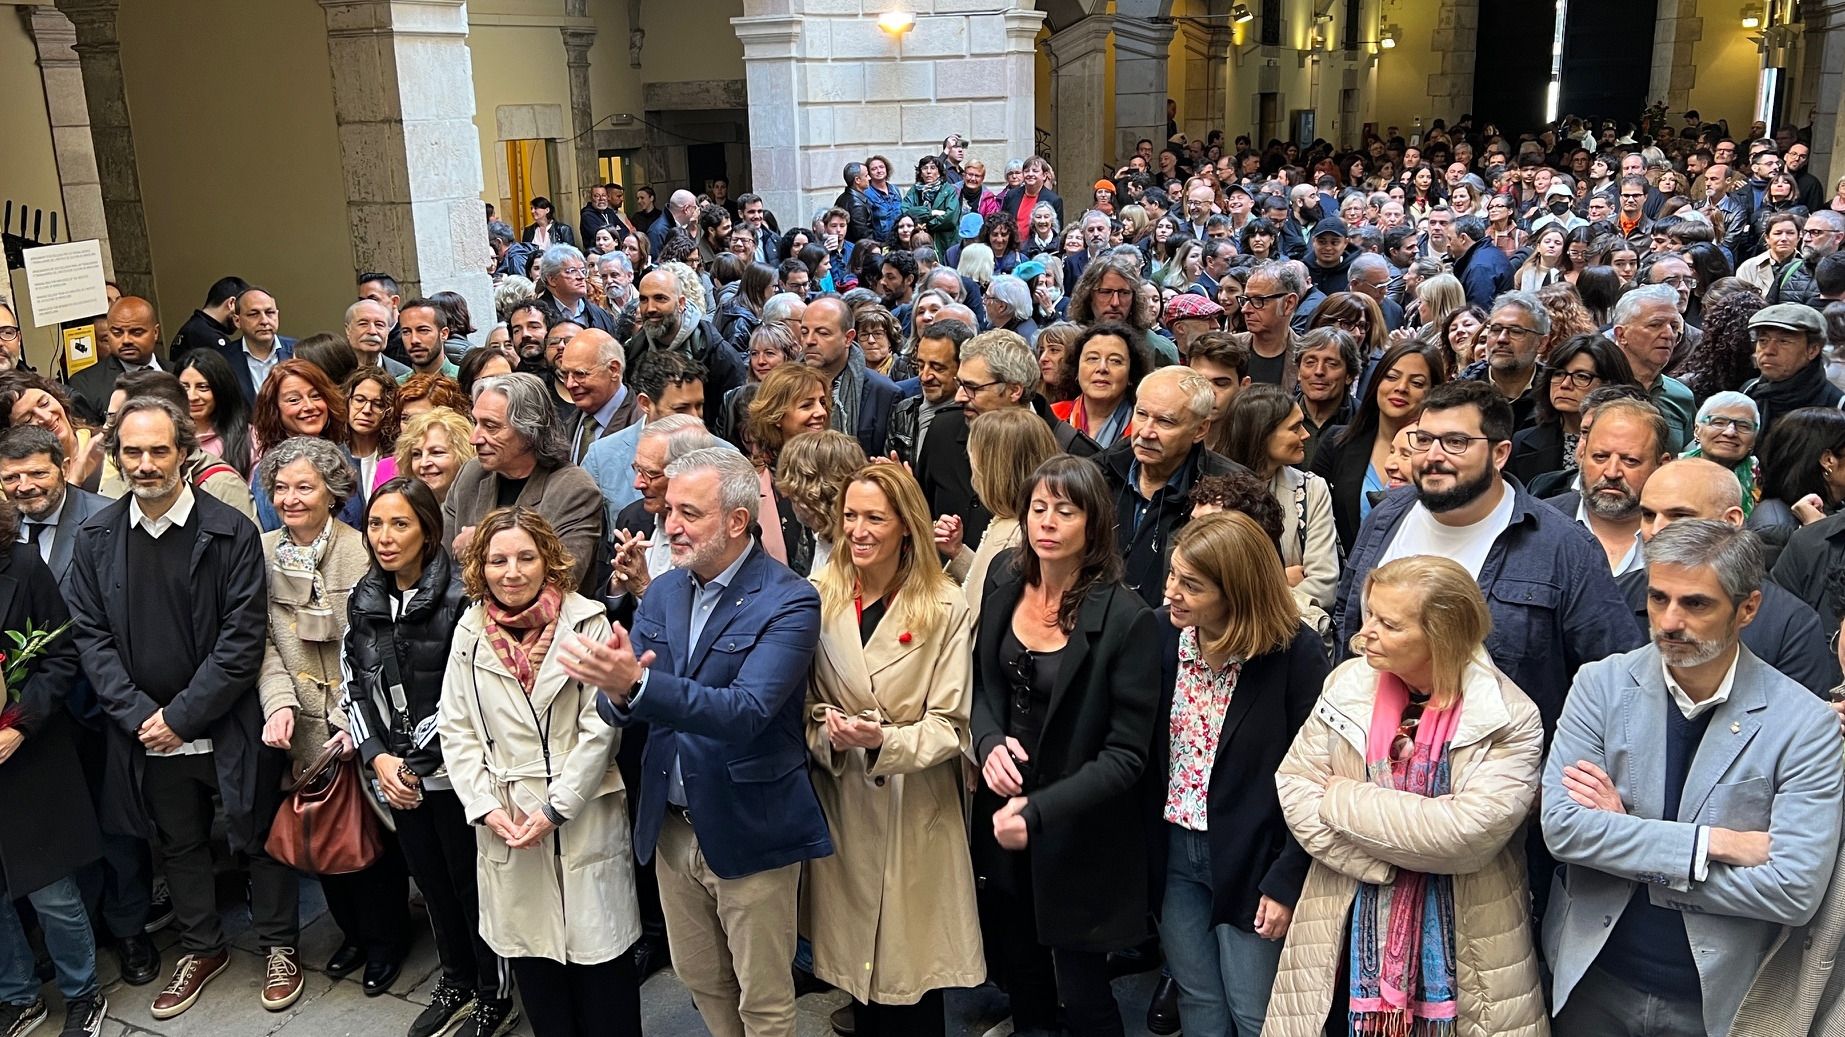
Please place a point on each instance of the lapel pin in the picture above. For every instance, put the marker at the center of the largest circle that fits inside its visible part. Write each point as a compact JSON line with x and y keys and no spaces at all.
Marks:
{"x":903,"y":638}
{"x":1735,"y":727}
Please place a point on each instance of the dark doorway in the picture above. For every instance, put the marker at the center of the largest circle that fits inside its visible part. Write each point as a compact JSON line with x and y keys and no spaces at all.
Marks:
{"x":1512,"y":64}
{"x":705,"y":163}
{"x":1602,"y":74}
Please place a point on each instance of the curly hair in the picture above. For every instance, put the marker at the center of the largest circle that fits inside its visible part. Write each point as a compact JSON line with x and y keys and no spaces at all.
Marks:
{"x":1568,"y":316}
{"x":814,"y":469}
{"x":439,"y":389}
{"x":267,"y":415}
{"x":778,"y":392}
{"x":328,"y":460}
{"x":1727,"y":358}
{"x":551,"y":551}
{"x":454,"y":425}
{"x":16,"y":383}
{"x":389,"y":421}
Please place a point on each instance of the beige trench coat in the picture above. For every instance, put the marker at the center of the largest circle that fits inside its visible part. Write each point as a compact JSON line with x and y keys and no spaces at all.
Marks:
{"x":306,"y":675}
{"x":570,"y":898}
{"x":1357,"y":831}
{"x":891,"y":912}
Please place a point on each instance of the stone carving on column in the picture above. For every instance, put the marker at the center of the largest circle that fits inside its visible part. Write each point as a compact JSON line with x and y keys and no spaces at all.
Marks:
{"x":636,"y":34}
{"x":1078,"y":62}
{"x":403,"y":99}
{"x":582,"y":118}
{"x":112,"y":138}
{"x":72,"y":145}
{"x":1141,"y":46}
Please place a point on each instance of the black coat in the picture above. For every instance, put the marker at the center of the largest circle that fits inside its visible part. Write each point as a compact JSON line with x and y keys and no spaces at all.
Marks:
{"x":45,"y":807}
{"x":419,"y":638}
{"x":229,"y":623}
{"x":1536,"y":451}
{"x":1146,"y":545}
{"x":1342,"y":465}
{"x":91,"y":388}
{"x":1253,"y":855}
{"x":947,"y":481}
{"x":1812,"y":565}
{"x":1084,"y":811}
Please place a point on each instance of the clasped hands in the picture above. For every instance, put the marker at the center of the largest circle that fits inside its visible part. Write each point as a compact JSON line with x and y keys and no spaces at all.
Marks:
{"x":851,"y":732}
{"x":519,"y":835}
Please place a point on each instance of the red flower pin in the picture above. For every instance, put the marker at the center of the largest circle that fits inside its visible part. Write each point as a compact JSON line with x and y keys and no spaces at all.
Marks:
{"x":903,"y":638}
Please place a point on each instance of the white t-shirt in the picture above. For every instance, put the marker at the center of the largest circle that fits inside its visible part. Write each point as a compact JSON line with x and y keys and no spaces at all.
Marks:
{"x":1421,"y":534}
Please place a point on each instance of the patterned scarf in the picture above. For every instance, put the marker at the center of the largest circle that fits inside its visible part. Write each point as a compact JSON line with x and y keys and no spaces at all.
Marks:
{"x":299,"y":567}
{"x":1402,"y":964}
{"x":1748,"y":472}
{"x":521,"y":639}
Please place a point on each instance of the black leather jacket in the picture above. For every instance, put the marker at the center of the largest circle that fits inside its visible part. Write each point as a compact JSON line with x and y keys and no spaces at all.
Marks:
{"x":420,"y":638}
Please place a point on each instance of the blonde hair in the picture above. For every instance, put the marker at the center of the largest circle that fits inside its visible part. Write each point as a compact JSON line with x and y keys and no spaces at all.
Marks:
{"x":920,"y":580}
{"x":813,"y":470}
{"x":1442,"y":293}
{"x":1452,"y":614}
{"x":1004,"y":447}
{"x":783,"y":387}
{"x":1231,"y":551}
{"x":458,"y":428}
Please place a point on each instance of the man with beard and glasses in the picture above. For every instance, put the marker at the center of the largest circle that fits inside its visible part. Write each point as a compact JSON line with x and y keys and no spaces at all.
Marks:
{"x":1616,"y":456}
{"x":368,"y":331}
{"x":1554,"y":604}
{"x":663,"y":325}
{"x":1693,"y":794}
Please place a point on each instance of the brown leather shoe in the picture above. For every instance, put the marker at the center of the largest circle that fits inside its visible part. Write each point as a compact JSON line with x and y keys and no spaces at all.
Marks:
{"x":281,"y":978}
{"x":190,"y":975}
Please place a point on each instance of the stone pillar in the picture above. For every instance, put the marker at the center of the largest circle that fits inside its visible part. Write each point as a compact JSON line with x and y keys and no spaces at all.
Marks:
{"x":582,"y":119}
{"x":99,"y":54}
{"x":1141,"y":47}
{"x":1079,"y":56}
{"x":1021,"y":80}
{"x":1452,"y":45}
{"x":1207,"y":62}
{"x":1825,"y":30}
{"x":777,"y":125}
{"x":71,"y":142}
{"x":1674,"y":34}
{"x":403,"y":99}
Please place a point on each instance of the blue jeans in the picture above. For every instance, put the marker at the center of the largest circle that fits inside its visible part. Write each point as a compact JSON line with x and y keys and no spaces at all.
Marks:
{"x":1225,"y":973}
{"x":67,"y":937}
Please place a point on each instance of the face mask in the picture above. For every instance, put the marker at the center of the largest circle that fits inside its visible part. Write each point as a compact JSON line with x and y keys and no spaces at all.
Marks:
{"x":1560,"y":206}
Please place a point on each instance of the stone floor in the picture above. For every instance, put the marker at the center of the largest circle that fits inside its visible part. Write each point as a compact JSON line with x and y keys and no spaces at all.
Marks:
{"x":338,"y":1008}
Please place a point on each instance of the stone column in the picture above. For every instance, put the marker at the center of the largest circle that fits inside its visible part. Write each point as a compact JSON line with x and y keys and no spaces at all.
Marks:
{"x":583,"y":144}
{"x":1674,"y":34}
{"x":99,"y":54}
{"x":1079,"y":57}
{"x":1207,"y":62}
{"x":403,"y":99}
{"x":771,"y":43}
{"x":1825,"y":30}
{"x":71,"y":142}
{"x":1452,"y":45}
{"x":1141,"y":47}
{"x":1021,"y":63}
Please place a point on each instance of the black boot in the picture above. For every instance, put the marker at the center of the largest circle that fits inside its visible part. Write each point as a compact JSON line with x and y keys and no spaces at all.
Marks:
{"x":140,"y":960}
{"x":1163,"y":1010}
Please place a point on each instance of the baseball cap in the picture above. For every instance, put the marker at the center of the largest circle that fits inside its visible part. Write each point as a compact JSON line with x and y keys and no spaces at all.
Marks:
{"x":1332,"y":225}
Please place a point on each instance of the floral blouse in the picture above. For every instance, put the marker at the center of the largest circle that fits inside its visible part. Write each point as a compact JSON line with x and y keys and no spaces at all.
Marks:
{"x":1200,"y":698}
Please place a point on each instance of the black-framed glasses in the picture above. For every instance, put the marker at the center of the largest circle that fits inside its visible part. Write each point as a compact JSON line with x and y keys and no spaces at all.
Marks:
{"x":1718,"y":423}
{"x":1021,"y":670}
{"x":9,"y":333}
{"x":1579,"y":379}
{"x":1453,"y":443}
{"x":973,"y":388}
{"x":1495,"y":330}
{"x":1256,"y":302}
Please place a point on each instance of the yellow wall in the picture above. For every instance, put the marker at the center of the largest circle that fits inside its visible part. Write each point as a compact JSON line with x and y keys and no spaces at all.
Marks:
{"x":259,"y":195}
{"x":1728,"y":68}
{"x":678,"y":49}
{"x":28,"y":172}
{"x":1403,"y":72}
{"x":516,"y":65}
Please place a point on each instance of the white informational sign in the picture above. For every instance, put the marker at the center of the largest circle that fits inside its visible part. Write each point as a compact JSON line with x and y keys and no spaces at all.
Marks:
{"x":65,"y":282}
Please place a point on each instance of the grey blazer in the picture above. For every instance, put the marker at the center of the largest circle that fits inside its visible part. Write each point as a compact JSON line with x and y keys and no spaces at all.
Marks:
{"x":1770,"y":761}
{"x":79,"y":505}
{"x":567,"y":498}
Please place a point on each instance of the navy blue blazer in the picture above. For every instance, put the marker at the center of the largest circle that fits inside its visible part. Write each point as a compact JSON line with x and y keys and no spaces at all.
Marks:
{"x":731,"y":710}
{"x":876,"y":400}
{"x":232,"y":352}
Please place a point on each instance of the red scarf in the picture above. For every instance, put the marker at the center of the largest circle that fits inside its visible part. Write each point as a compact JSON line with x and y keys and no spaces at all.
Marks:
{"x":522,"y":638}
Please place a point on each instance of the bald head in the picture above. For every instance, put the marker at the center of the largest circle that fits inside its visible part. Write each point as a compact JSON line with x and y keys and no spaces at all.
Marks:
{"x":956,"y":311}
{"x":1691,"y":488}
{"x":134,"y":330}
{"x":684,"y":205}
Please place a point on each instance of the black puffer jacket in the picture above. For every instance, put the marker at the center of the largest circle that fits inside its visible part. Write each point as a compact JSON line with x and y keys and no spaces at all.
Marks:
{"x":420,"y":638}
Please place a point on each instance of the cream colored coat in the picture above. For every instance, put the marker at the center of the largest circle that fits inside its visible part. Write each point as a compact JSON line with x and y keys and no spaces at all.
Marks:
{"x":1357,"y":831}
{"x":970,"y":568}
{"x":305,"y":675}
{"x":891,"y":912}
{"x":571,"y":897}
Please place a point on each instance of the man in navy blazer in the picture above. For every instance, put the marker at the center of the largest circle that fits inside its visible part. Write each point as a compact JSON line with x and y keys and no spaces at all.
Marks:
{"x":717,"y":668}
{"x":254,"y":355}
{"x":831,"y":344}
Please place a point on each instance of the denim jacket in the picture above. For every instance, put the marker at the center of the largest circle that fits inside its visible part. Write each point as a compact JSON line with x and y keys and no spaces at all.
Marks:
{"x":1553,"y":602}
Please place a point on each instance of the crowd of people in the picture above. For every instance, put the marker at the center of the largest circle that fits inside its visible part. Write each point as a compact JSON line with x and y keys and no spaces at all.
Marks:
{"x":1394,"y":591}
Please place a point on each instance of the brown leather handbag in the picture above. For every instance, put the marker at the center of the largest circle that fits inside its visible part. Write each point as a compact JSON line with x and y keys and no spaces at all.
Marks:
{"x":324,"y":826}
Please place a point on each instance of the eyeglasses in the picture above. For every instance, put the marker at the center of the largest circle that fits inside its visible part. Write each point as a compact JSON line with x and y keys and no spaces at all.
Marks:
{"x":1579,"y":379}
{"x":1112,"y":293}
{"x":973,"y":388}
{"x":576,"y":375}
{"x":357,"y":402}
{"x":1020,"y":670}
{"x":1404,"y":744}
{"x":1495,"y":330}
{"x":1256,"y":302}
{"x":1454,"y":443}
{"x":575,"y":273}
{"x":9,"y":333}
{"x":1681,"y":281}
{"x":649,"y":474}
{"x":1718,"y":423}
{"x":1352,"y":323}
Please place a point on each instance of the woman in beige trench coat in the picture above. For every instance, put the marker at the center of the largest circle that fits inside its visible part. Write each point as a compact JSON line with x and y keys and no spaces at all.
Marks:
{"x":1424,"y":693}
{"x":891,"y":912}
{"x":534,"y":767}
